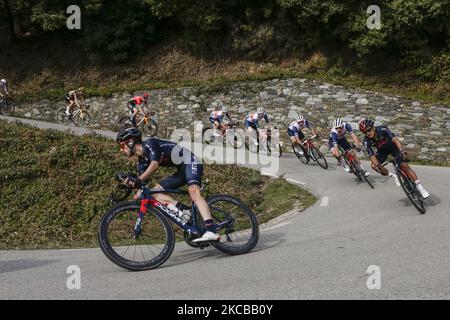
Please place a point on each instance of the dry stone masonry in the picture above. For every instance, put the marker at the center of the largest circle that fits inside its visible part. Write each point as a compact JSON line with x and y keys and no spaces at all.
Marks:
{"x":423,"y":128}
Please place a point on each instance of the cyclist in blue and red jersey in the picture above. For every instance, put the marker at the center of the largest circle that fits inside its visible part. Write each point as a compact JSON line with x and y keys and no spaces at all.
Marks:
{"x":154,"y":153}
{"x":386,"y":143}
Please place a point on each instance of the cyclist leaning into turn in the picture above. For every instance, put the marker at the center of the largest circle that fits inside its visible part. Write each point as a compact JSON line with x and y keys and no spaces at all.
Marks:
{"x":295,"y":130}
{"x":74,"y":98}
{"x":154,"y":153}
{"x":135,"y":105}
{"x":217,"y":117}
{"x":251,"y":122}
{"x":387,"y":144}
{"x":4,"y":93}
{"x":337,"y":138}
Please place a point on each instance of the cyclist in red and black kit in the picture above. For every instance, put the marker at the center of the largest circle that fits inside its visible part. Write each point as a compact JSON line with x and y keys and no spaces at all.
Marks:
{"x":135,"y":105}
{"x":154,"y":153}
{"x":387,"y":144}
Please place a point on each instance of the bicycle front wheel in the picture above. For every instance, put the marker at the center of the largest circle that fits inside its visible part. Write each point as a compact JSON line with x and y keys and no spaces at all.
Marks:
{"x":236,"y":224}
{"x":61,"y":116}
{"x":117,"y":239}
{"x":409,"y":187}
{"x":208,"y":136}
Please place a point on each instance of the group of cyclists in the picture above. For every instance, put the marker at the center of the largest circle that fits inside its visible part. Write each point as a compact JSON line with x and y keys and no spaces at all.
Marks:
{"x":380,"y":137}
{"x":76,"y":98}
{"x":154,"y":152}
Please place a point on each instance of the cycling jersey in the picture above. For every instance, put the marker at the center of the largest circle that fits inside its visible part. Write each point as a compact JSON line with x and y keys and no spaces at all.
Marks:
{"x":252,"y":119}
{"x":295,"y":129}
{"x":170,"y":154}
{"x":218,"y":116}
{"x":135,"y":101}
{"x":4,"y":88}
{"x":338,"y":139}
{"x":384,"y":144}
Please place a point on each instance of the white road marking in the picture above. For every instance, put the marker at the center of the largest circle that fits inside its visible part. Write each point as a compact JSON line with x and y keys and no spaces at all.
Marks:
{"x":324,"y":202}
{"x":269,"y":174}
{"x":295,"y":181}
{"x":277,"y":226}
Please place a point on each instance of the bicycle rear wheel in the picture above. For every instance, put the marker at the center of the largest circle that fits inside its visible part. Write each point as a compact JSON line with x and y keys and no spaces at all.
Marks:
{"x":274,"y":148}
{"x":319,"y":157}
{"x":6,"y":108}
{"x":235,"y":139}
{"x":409,"y":187}
{"x":150,"y":128}
{"x":82,"y":118}
{"x":116,"y":237}
{"x":239,"y":229}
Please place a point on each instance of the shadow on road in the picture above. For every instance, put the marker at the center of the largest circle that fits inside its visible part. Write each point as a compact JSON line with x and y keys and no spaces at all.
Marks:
{"x":430,"y":202}
{"x":23,"y":264}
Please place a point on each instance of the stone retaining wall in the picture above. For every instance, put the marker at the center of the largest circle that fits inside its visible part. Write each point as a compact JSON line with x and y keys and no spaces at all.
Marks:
{"x":423,"y":128}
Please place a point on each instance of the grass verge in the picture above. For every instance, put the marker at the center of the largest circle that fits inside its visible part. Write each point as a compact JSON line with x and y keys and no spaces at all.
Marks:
{"x":54,"y":187}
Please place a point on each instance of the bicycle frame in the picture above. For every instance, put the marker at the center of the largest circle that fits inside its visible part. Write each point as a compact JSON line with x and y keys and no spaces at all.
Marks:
{"x":194,"y":228}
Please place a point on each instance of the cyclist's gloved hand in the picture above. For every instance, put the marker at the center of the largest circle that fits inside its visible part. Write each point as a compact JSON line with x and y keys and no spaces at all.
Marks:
{"x":133,"y":182}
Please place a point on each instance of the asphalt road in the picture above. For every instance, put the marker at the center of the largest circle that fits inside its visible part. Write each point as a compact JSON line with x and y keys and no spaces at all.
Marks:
{"x":321,"y":253}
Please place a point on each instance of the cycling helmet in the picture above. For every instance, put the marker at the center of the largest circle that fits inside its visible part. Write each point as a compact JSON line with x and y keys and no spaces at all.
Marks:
{"x":145,"y":96}
{"x":129,"y":134}
{"x":225,"y":109}
{"x":260,"y":110}
{"x":4,"y":81}
{"x":365,"y":125}
{"x":299,"y":118}
{"x":337,"y":123}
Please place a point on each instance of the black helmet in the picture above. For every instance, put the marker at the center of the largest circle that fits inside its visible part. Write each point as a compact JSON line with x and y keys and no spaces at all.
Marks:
{"x":365,"y":125}
{"x":129,"y":134}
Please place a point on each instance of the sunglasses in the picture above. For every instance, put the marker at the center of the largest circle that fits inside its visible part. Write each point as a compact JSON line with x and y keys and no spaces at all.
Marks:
{"x":123,"y":144}
{"x":339,"y":128}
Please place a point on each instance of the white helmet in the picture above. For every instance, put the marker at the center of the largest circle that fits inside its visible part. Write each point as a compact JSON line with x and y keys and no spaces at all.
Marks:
{"x":4,"y":81}
{"x":337,"y":123}
{"x":260,"y":110}
{"x":299,"y":118}
{"x":224,"y":108}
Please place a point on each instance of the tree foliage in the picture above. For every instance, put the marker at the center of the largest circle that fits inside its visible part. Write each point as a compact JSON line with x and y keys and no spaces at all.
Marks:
{"x":413,"y":31}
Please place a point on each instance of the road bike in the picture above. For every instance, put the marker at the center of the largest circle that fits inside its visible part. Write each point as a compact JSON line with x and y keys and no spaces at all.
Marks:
{"x":138,"y":235}
{"x":79,"y":117}
{"x":353,"y":165}
{"x":408,"y":185}
{"x":308,"y":151}
{"x":146,"y":123}
{"x":6,"y":107}
{"x":265,"y":141}
{"x":231,"y":136}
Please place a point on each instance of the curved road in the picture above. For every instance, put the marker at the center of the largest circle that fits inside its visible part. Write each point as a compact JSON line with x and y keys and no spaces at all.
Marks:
{"x":321,"y":253}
